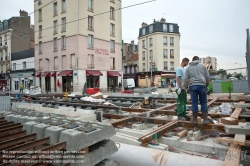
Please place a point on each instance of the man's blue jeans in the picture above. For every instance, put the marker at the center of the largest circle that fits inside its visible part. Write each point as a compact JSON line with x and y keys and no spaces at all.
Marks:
{"x":201,"y":92}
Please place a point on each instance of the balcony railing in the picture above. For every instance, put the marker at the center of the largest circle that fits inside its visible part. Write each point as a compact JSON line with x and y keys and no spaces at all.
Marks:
{"x":55,"y":67}
{"x":165,"y":44}
{"x":1,"y":59}
{"x":112,"y":67}
{"x":151,"y":44}
{"x":112,"y":50}
{"x":1,"y":44}
{"x":165,"y":68}
{"x":112,"y":17}
{"x":91,"y":66}
{"x":90,"y":9}
{"x":171,"y":68}
{"x":90,"y":46}
{"x":112,"y":1}
{"x":165,"y":56}
{"x":171,"y":44}
{"x":6,"y":43}
{"x":55,"y":12}
{"x":63,"y":47}
{"x":40,"y":68}
{"x":112,"y":33}
{"x":143,"y":59}
{"x":90,"y":27}
{"x":72,"y":66}
{"x":172,"y":56}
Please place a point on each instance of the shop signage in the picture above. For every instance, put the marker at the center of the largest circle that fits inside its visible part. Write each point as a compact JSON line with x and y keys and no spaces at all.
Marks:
{"x":101,"y":51}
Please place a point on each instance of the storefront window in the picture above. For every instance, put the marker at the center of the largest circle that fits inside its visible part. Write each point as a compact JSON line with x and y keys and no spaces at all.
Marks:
{"x":93,"y":82}
{"x":112,"y":82}
{"x":67,"y":84}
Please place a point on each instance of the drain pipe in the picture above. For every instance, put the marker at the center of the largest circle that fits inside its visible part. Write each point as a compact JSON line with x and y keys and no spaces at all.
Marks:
{"x":77,"y":47}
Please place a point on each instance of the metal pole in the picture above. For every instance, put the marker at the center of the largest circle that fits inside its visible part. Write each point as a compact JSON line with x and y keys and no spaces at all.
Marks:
{"x":151,"y":66}
{"x":122,"y":67}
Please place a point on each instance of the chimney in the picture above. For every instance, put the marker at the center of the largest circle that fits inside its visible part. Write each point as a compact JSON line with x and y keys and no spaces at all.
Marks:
{"x":23,"y":13}
{"x":144,"y":24}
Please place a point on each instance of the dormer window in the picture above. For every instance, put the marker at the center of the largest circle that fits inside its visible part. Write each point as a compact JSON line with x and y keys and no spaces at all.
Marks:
{"x":1,"y":27}
{"x":171,"y":28}
{"x":5,"y":25}
{"x":151,"y":28}
{"x":143,"y":31}
{"x":165,"y":27}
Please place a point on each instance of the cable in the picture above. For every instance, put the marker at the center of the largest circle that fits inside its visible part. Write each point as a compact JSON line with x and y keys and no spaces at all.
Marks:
{"x":94,"y":15}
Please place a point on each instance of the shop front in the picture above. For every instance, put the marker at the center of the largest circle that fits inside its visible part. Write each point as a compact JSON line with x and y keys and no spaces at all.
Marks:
{"x":67,"y":80}
{"x":53,"y":75}
{"x":112,"y":79}
{"x":168,"y":79}
{"x":46,"y":76}
{"x":93,"y":78}
{"x":26,"y":78}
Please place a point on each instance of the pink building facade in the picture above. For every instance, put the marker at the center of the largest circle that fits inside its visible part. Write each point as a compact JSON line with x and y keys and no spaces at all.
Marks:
{"x":58,"y":69}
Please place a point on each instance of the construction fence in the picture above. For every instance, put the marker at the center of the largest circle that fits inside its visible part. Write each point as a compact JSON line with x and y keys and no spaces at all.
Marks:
{"x":239,"y":86}
{"x":4,"y":103}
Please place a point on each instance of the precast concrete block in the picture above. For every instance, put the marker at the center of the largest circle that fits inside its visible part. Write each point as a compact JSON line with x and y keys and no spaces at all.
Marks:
{"x":14,"y":118}
{"x":4,"y":113}
{"x":197,"y":135}
{"x":77,"y":140}
{"x":31,"y":118}
{"x":39,"y":129}
{"x":8,"y":117}
{"x":22,"y":119}
{"x":28,"y":126}
{"x":53,"y":132}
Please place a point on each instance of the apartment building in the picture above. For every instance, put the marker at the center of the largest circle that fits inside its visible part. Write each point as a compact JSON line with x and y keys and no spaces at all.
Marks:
{"x":130,"y":61}
{"x":73,"y":46}
{"x":209,"y":62}
{"x":16,"y":35}
{"x":159,"y":50}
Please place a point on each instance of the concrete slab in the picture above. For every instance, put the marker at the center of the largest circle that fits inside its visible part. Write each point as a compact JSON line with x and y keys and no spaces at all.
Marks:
{"x":235,"y":129}
{"x":22,"y":119}
{"x":14,"y":118}
{"x":8,"y":117}
{"x":77,"y":140}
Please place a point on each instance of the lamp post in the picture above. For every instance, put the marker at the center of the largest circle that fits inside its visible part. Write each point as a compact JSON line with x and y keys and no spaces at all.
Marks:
{"x":150,"y":65}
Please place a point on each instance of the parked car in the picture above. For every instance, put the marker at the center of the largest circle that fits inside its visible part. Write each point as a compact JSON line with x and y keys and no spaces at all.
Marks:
{"x":129,"y":83}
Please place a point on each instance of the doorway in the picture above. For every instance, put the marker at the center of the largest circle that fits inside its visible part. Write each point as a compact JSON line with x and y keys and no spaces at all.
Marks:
{"x":67,"y":84}
{"x":47,"y":84}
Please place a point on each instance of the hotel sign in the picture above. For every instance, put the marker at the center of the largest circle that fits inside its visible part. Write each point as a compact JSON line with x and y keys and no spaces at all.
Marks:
{"x":101,"y":51}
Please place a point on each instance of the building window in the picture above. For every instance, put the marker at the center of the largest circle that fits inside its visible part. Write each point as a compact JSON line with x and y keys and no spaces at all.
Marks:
{"x":64,"y":24}
{"x":40,"y":14}
{"x":151,"y":28}
{"x":55,"y":63}
{"x":171,"y":65}
{"x":90,"y":23}
{"x":172,"y":53}
{"x":171,"y":41}
{"x":143,"y":31}
{"x":130,"y":69}
{"x":55,"y":9}
{"x":91,"y":61}
{"x":64,"y":62}
{"x":165,"y":53}
{"x":5,"y":39}
{"x":40,"y":31}
{"x":125,"y":69}
{"x":112,"y":13}
{"x":90,"y":41}
{"x":40,"y":47}
{"x":1,"y":40}
{"x":1,"y":27}
{"x":143,"y":55}
{"x":143,"y":43}
{"x":90,"y":5}
{"x":112,"y":63}
{"x":55,"y":44}
{"x":39,"y":2}
{"x":55,"y":27}
{"x":165,"y":64}
{"x":14,"y":66}
{"x":171,"y":28}
{"x":151,"y":54}
{"x":24,"y":65}
{"x":16,"y":85}
{"x":40,"y":65}
{"x":135,"y":70}
{"x":150,"y":42}
{"x":165,"y":27}
{"x":63,"y":6}
{"x":165,"y":41}
{"x":112,"y":46}
{"x":63,"y":42}
{"x":72,"y":61}
{"x":143,"y":67}
{"x":112,"y":29}
{"x":113,"y":1}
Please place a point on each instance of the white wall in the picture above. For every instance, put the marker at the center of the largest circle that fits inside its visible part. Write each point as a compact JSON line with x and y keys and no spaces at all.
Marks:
{"x":19,"y":63}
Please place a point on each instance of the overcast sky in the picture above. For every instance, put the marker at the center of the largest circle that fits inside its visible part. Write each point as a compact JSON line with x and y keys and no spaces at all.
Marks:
{"x":214,"y":28}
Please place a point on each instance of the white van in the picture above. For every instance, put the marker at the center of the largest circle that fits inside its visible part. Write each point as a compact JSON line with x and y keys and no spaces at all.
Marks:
{"x":129,"y":83}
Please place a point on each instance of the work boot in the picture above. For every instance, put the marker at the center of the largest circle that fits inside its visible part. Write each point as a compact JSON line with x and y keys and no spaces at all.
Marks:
{"x":194,"y":121}
{"x":181,"y":118}
{"x":205,"y":118}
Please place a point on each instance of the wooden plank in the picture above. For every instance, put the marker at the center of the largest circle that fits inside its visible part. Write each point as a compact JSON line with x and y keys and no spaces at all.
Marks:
{"x":240,"y":138}
{"x":231,"y":121}
{"x":233,"y":156}
{"x":182,"y":133}
{"x":237,"y":111}
{"x":230,"y":140}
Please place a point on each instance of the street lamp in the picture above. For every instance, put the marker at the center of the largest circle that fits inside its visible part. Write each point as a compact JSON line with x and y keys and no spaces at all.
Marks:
{"x":150,"y":65}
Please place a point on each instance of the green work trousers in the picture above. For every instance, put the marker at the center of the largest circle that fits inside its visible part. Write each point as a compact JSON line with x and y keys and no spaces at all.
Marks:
{"x":181,"y":103}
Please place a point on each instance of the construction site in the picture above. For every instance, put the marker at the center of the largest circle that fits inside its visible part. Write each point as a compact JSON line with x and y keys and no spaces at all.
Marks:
{"x":51,"y":129}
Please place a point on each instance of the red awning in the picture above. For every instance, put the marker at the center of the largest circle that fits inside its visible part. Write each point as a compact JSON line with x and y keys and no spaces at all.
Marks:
{"x":93,"y":73}
{"x":113,"y":73}
{"x":53,"y":74}
{"x":39,"y":75}
{"x":66,"y":73}
{"x":46,"y":74}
